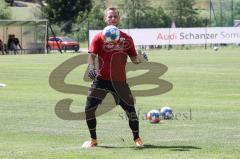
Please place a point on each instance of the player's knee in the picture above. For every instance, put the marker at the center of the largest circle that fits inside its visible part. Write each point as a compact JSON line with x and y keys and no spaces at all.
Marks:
{"x":92,"y":102}
{"x":127,"y":104}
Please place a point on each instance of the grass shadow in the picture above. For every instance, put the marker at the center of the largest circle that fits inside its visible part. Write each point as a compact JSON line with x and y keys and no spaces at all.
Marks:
{"x":173,"y":148}
{"x":148,"y":146}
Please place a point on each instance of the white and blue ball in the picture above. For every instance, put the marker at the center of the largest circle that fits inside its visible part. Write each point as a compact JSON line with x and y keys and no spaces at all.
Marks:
{"x":154,"y":116}
{"x":215,"y":48}
{"x":166,"y":112}
{"x":111,"y":34}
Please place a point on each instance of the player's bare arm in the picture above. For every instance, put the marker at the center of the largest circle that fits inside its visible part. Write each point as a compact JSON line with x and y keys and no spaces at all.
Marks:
{"x":91,"y":59}
{"x":139,"y":58}
{"x":135,"y":60}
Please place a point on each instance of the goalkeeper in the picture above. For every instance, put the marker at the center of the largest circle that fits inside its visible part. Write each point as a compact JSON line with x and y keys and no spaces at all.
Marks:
{"x":110,"y":76}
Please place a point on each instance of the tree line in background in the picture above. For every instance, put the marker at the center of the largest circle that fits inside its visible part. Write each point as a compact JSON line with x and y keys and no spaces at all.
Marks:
{"x":75,"y":17}
{"x":5,"y":12}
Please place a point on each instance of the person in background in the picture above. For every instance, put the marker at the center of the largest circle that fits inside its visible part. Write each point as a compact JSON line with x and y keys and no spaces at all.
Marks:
{"x":3,"y":47}
{"x":13,"y":43}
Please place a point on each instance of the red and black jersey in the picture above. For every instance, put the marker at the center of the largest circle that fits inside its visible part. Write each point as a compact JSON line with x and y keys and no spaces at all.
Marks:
{"x":112,"y":56}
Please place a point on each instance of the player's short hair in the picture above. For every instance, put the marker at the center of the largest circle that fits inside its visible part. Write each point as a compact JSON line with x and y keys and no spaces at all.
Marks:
{"x":115,"y":9}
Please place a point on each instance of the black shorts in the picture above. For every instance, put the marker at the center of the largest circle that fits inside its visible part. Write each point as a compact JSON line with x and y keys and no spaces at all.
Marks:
{"x":120,"y":91}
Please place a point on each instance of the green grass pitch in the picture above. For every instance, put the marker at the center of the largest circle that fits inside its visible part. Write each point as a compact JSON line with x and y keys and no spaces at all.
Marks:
{"x":204,"y":81}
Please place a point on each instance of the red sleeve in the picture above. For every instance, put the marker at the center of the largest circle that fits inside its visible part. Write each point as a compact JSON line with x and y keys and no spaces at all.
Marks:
{"x":132,"y":51}
{"x":94,"y":46}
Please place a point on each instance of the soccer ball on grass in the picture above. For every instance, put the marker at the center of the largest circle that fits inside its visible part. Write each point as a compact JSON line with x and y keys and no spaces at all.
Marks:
{"x":215,"y":48}
{"x":166,"y":113}
{"x":153,"y":116}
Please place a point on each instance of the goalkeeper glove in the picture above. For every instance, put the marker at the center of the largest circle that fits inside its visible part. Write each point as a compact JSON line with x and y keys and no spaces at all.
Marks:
{"x":92,"y":72}
{"x":145,"y":56}
{"x":142,"y":55}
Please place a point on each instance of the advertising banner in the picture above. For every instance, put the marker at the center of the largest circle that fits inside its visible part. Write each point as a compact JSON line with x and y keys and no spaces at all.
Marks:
{"x":179,"y":36}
